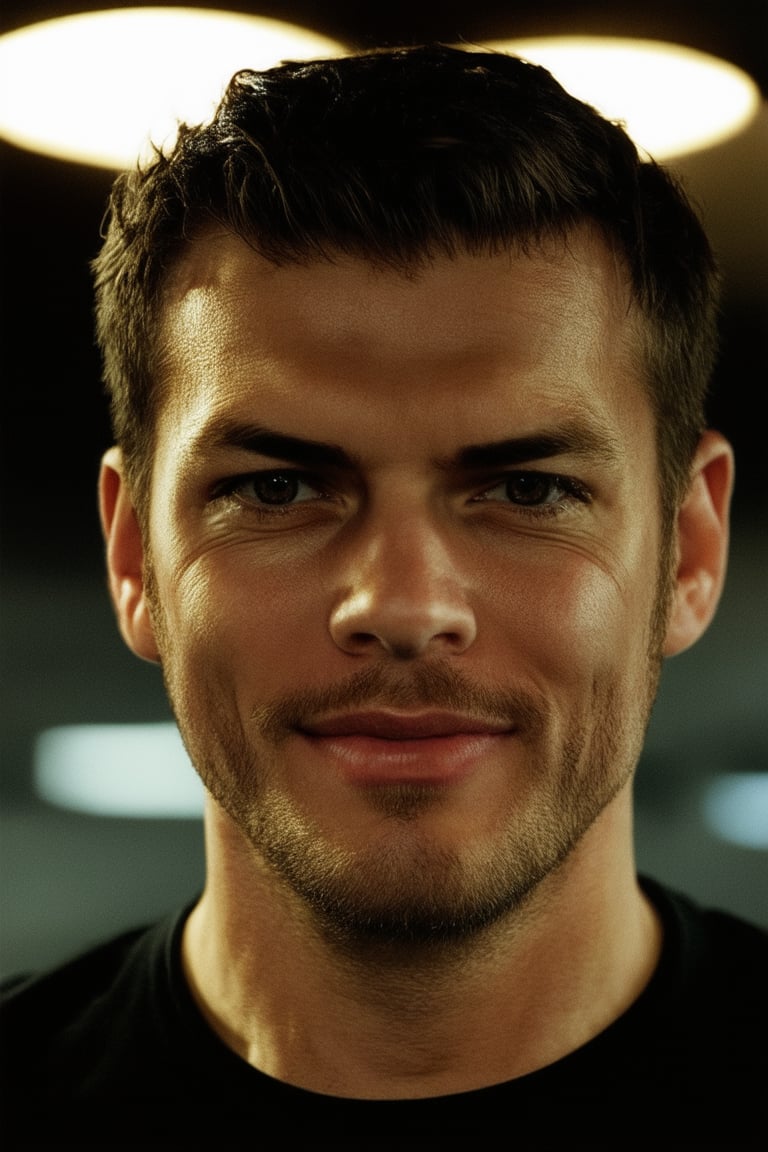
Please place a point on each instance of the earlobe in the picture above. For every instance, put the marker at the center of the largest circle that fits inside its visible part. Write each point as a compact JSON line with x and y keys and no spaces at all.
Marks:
{"x":702,"y":544}
{"x":125,"y":558}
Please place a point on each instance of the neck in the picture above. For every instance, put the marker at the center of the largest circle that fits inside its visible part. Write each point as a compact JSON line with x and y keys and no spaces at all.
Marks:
{"x":384,"y":1021}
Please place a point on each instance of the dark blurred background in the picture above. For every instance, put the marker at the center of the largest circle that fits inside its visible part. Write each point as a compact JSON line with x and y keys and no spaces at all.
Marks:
{"x":67,"y":877}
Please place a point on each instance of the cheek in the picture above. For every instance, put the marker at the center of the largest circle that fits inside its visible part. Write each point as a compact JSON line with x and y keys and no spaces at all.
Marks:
{"x":573,"y":623}
{"x":251,"y":629}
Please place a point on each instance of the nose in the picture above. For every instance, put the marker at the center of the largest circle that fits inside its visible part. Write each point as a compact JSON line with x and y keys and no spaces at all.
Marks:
{"x":403,"y":595}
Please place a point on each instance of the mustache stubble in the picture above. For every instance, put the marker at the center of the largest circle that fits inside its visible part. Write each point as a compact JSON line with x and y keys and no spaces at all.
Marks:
{"x":428,"y":685}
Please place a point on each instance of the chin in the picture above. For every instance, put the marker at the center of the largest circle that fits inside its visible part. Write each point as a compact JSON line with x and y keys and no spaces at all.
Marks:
{"x":408,"y":887}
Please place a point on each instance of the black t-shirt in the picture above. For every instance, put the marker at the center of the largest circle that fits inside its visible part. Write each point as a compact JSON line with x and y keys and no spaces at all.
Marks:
{"x":110,"y":1051}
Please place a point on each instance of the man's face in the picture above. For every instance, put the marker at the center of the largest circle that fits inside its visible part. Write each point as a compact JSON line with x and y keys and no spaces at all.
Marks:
{"x":404,"y":569}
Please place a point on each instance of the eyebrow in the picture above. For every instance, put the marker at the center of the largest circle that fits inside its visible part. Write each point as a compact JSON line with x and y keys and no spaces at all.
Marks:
{"x":580,"y":438}
{"x":268,"y":442}
{"x":577,"y":437}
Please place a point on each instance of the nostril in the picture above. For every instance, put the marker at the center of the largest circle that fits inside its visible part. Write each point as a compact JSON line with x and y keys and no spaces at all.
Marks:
{"x":404,"y":623}
{"x":363,"y":639}
{"x":402,"y":644}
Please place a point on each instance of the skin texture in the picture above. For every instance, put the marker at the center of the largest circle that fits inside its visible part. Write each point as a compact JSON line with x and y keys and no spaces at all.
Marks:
{"x":414,"y":678}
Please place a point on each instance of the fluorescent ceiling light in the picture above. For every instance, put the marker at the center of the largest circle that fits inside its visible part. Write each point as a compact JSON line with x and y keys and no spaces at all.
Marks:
{"x":95,"y":87}
{"x":736,"y":808}
{"x":671,"y":99}
{"x":139,"y":770}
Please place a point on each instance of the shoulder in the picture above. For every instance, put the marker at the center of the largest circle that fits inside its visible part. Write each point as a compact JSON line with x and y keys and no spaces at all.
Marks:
{"x":711,"y":1007}
{"x":56,"y":1023}
{"x":50,"y":998}
{"x":709,"y":944}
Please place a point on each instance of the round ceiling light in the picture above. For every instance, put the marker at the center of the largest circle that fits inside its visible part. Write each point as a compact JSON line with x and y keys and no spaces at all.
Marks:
{"x":97,"y":87}
{"x":671,"y":99}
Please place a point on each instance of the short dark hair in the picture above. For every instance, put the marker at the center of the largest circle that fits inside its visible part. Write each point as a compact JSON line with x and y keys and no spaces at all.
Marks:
{"x":396,"y":156}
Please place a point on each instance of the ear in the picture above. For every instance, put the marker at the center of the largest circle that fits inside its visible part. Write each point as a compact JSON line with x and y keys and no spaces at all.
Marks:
{"x":702,"y":544}
{"x":125,"y":557}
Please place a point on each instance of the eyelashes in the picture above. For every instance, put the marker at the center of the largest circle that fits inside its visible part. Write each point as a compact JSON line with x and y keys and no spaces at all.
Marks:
{"x":277,"y":488}
{"x":535,"y":491}
{"x":279,"y":491}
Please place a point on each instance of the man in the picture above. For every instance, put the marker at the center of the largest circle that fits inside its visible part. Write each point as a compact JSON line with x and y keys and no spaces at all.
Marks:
{"x":412,"y":494}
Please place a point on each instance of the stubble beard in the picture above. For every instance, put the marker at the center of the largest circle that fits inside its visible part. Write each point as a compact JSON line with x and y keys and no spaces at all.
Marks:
{"x":409,"y":891}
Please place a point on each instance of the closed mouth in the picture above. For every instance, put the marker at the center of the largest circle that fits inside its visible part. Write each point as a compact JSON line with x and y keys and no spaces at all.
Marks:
{"x":383,"y":725}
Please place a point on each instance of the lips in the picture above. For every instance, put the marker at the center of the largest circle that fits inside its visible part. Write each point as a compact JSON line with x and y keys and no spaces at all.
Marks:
{"x":404,"y":726}
{"x":379,"y":748}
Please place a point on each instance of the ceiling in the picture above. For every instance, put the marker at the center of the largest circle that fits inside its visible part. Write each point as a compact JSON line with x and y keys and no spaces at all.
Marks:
{"x":53,"y":418}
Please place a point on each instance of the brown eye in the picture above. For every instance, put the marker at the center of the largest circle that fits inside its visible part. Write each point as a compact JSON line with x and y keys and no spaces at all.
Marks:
{"x":276,"y":487}
{"x":533,"y":488}
{"x":538,"y":491}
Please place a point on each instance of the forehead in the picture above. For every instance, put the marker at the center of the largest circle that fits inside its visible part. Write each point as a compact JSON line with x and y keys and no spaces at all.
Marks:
{"x":468,"y":332}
